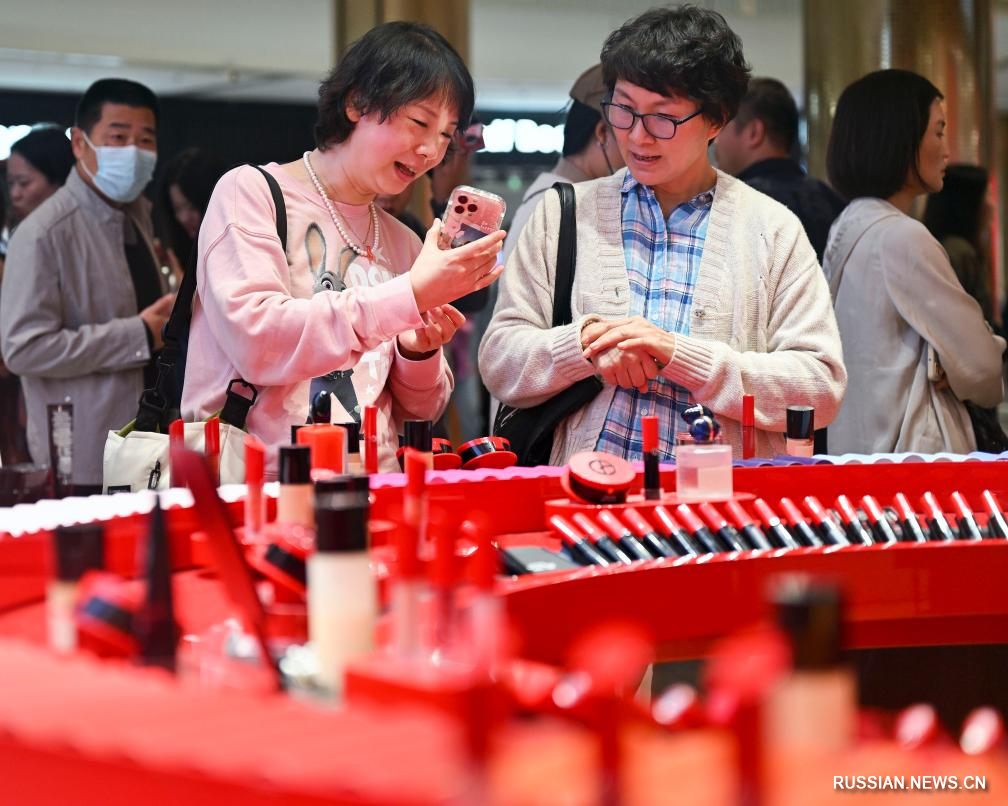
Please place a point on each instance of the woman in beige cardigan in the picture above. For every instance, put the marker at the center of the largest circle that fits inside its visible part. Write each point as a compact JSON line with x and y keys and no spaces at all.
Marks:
{"x":753,"y":314}
{"x":915,"y":343}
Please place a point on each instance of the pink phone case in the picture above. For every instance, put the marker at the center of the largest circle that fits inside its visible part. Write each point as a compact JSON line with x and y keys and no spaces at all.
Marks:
{"x":470,"y":214}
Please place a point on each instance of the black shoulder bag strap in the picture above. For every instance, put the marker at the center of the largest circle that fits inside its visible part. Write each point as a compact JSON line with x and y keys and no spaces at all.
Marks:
{"x":159,"y":405}
{"x":566,"y":255}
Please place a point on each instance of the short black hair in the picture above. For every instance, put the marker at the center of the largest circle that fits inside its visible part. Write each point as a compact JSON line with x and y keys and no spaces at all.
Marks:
{"x":579,"y":127}
{"x":112,"y":91}
{"x":685,"y":51}
{"x":47,"y":149}
{"x":877,"y":130}
{"x":392,"y":65}
{"x":770,"y":102}
{"x":956,"y":208}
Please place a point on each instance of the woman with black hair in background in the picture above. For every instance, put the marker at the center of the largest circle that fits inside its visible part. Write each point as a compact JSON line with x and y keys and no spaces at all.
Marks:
{"x":181,"y":202}
{"x":959,"y":217}
{"x":915,"y":343}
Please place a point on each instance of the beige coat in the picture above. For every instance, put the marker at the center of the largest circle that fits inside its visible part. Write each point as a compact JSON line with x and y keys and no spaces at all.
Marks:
{"x":896,"y":295}
{"x":761,"y":321}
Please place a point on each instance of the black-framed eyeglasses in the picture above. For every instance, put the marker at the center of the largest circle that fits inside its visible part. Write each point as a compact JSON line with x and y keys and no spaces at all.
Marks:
{"x":657,"y":125}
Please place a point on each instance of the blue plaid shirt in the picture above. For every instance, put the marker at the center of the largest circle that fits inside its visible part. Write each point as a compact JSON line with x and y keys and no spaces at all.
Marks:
{"x":663,"y":260}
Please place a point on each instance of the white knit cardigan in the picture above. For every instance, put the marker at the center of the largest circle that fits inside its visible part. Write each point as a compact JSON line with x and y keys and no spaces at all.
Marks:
{"x":761,"y":322}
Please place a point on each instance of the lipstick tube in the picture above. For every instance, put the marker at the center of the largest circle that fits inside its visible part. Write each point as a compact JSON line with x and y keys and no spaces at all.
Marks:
{"x":831,"y":533}
{"x":856,"y":533}
{"x":407,"y":587}
{"x":912,"y":532}
{"x":176,"y":441}
{"x":748,"y":426}
{"x":677,"y":537}
{"x":997,"y":526}
{"x":443,"y":576}
{"x":255,"y":501}
{"x":968,"y":529}
{"x":653,"y":545}
{"x":603,"y":542}
{"x":652,"y":474}
{"x":622,"y":536}
{"x":751,"y":533}
{"x":805,"y":534}
{"x":486,"y":612}
{"x":697,"y":530}
{"x":211,"y":447}
{"x":580,"y":550}
{"x":777,"y":532}
{"x":648,"y":536}
{"x":879,"y":522}
{"x":370,"y":423}
{"x":726,"y":533}
{"x":935,"y":518}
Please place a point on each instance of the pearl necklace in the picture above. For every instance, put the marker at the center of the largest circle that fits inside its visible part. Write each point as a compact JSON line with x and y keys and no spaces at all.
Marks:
{"x":360,"y":249}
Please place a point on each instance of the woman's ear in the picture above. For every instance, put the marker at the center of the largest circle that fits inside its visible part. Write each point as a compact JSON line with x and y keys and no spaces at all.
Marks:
{"x":602,"y":132}
{"x":351,"y":109}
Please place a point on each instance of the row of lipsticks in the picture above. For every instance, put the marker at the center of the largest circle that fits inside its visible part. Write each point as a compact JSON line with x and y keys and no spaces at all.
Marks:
{"x":625,"y":535}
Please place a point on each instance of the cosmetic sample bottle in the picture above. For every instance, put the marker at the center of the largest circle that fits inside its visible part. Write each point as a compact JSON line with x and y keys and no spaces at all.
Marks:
{"x":800,"y":431}
{"x":342,"y":596}
{"x":295,"y":502}
{"x":353,"y":463}
{"x":814,"y":709}
{"x":419,"y":435}
{"x":78,"y":549}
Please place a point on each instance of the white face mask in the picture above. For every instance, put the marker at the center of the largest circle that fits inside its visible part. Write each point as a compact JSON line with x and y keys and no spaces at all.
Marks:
{"x":123,"y":171}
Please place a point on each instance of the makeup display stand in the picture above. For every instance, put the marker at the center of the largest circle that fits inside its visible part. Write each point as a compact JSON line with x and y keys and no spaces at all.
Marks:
{"x":84,"y":729}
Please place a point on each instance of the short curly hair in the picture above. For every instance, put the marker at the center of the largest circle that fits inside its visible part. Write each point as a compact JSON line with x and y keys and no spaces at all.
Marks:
{"x":392,"y":65}
{"x":685,"y":51}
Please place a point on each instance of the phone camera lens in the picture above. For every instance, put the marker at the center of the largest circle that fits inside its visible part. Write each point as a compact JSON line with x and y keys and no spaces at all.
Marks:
{"x":459,"y":209}
{"x":471,"y":208}
{"x":463,"y":199}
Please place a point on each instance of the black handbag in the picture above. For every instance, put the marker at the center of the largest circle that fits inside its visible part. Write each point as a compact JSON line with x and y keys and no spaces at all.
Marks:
{"x":990,"y":437}
{"x":530,"y":431}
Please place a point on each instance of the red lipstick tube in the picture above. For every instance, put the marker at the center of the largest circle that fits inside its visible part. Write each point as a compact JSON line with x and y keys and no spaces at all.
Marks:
{"x":968,"y":529}
{"x":937,"y":525}
{"x":748,"y":426}
{"x":831,"y":533}
{"x":997,"y":526}
{"x":776,"y":531}
{"x":726,"y":533}
{"x":255,"y":502}
{"x":696,"y":529}
{"x":879,"y":522}
{"x":603,"y":542}
{"x":176,"y":442}
{"x":677,"y":537}
{"x":211,"y":447}
{"x":652,"y":474}
{"x":858,"y":535}
{"x":805,"y":534}
{"x":627,"y":538}
{"x":370,"y":424}
{"x":578,"y":547}
{"x":648,"y":536}
{"x":752,"y":534}
{"x":912,"y":532}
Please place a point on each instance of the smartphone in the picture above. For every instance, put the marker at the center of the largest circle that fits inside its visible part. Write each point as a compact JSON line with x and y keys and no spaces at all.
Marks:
{"x":470,"y":214}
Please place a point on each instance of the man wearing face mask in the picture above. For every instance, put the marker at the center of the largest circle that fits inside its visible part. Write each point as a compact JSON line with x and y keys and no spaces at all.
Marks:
{"x":83,"y":302}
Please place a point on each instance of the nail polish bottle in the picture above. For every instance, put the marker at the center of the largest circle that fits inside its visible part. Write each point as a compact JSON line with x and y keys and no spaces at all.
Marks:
{"x":296,"y":499}
{"x":78,"y":549}
{"x":800,"y":431}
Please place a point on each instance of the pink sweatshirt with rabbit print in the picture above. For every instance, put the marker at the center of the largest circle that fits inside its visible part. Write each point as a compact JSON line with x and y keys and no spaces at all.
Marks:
{"x":270,"y":318}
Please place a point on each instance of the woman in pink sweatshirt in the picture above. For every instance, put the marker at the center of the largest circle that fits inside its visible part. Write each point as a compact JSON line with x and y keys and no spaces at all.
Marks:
{"x":356,"y":293}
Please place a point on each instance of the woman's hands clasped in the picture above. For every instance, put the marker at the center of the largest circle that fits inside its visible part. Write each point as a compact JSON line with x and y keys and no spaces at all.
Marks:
{"x":627,"y":352}
{"x":440,"y":324}
{"x":440,"y":276}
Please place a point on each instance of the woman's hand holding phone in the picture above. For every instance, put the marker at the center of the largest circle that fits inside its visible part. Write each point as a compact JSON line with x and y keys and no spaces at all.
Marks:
{"x":440,"y":276}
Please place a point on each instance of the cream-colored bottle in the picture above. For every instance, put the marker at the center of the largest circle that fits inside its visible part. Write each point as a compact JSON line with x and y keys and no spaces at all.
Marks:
{"x":342,"y":594}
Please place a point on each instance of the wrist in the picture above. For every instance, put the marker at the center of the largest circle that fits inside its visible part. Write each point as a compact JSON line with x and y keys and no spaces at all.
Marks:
{"x":588,"y":320}
{"x":669,"y":352}
{"x":413,"y":355}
